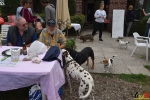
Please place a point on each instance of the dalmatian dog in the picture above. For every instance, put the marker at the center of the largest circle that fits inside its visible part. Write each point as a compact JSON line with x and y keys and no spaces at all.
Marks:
{"x":75,"y":71}
{"x":108,"y":63}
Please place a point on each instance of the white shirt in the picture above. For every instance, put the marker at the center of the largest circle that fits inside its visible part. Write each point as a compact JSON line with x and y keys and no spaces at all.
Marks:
{"x":148,"y":21}
{"x":19,"y":10}
{"x":99,"y":13}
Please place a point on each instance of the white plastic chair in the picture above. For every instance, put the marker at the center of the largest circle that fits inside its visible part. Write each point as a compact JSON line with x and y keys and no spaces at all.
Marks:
{"x":4,"y":31}
{"x":141,"y":42}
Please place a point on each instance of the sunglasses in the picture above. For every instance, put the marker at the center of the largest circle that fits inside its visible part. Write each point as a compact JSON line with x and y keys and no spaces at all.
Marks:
{"x":25,"y":24}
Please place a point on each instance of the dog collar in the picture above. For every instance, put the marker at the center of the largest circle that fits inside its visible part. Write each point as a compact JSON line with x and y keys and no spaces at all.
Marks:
{"x":69,"y":61}
{"x":75,"y":56}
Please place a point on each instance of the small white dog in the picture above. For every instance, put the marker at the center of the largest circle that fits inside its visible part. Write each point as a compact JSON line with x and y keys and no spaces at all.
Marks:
{"x":108,"y":63}
{"x":75,"y":71}
{"x":123,"y":43}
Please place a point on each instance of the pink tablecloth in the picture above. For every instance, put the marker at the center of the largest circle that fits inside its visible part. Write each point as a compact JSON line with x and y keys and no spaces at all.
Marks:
{"x":49,"y":74}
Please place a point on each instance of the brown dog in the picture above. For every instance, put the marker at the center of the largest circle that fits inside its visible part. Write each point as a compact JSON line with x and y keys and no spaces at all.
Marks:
{"x":87,"y":37}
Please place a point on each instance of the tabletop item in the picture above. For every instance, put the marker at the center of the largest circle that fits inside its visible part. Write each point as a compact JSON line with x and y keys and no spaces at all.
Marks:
{"x":6,"y":52}
{"x":24,"y":48}
{"x":52,"y":54}
{"x":15,"y":54}
{"x":36,"y":60}
{"x":4,"y":58}
{"x":37,"y":48}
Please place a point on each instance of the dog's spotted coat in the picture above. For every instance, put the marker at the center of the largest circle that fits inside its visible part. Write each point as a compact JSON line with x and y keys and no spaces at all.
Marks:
{"x":75,"y":71}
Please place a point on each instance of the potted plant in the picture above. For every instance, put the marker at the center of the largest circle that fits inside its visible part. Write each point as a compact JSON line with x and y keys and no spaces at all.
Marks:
{"x":70,"y":43}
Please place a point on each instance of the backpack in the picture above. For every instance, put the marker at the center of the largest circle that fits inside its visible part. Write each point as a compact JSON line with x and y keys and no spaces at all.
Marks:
{"x":52,"y":54}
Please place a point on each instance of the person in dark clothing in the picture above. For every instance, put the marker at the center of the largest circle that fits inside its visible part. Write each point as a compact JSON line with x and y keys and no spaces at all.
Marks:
{"x":20,"y":33}
{"x":129,"y":19}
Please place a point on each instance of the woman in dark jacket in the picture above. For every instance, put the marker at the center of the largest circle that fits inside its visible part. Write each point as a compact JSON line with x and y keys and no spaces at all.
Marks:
{"x":129,"y":19}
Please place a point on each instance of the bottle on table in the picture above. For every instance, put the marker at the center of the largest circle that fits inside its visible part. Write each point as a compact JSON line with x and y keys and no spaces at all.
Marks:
{"x":24,"y":48}
{"x":0,"y":43}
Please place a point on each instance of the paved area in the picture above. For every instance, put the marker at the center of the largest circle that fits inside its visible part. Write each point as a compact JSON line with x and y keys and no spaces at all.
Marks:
{"x":123,"y":63}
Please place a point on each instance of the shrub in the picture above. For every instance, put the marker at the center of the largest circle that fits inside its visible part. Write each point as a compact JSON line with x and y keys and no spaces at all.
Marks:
{"x":138,"y":27}
{"x":70,"y":43}
{"x":9,"y":8}
{"x":72,"y":7}
{"x":80,"y":18}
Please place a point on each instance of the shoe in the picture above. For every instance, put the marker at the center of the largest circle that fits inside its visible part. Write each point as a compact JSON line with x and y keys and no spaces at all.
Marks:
{"x":100,"y":39}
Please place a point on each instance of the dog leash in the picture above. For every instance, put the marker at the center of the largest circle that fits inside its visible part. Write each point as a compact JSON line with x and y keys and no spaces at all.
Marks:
{"x":69,"y":61}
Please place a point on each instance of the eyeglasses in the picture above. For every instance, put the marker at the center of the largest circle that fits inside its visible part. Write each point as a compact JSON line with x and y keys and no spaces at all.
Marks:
{"x":24,"y":24}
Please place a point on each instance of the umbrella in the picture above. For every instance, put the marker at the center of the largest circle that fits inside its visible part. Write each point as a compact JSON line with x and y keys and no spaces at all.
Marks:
{"x":62,"y":15}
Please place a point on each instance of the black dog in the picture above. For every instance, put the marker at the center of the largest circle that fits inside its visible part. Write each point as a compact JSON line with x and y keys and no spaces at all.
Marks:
{"x":82,"y":56}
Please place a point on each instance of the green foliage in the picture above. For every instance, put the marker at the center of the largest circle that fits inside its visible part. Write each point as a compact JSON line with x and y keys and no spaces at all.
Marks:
{"x":72,"y":7}
{"x":147,"y":67}
{"x":138,"y":27}
{"x":136,"y":78}
{"x":80,"y":18}
{"x":9,"y":8}
{"x":70,"y":43}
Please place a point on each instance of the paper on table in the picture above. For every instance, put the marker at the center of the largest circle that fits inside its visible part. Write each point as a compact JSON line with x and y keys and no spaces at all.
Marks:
{"x":9,"y":63}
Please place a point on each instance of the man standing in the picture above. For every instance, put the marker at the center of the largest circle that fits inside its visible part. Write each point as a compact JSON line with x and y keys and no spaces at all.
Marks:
{"x":147,"y":24}
{"x":20,"y":33}
{"x":51,"y":36}
{"x":49,"y":10}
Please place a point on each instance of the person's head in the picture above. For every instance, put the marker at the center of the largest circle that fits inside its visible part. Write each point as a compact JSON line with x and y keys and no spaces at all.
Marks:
{"x":51,"y":26}
{"x":21,"y":23}
{"x":26,"y":3}
{"x":44,"y":2}
{"x":130,"y":7}
{"x":101,"y":6}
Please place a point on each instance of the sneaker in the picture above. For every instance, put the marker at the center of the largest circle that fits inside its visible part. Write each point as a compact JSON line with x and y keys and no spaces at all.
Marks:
{"x":100,"y":39}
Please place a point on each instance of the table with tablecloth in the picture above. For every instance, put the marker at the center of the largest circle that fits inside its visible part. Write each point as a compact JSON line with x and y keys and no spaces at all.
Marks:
{"x":77,"y":27}
{"x":49,"y":74}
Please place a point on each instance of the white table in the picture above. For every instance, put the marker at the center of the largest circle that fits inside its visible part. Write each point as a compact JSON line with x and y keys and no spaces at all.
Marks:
{"x":49,"y":74}
{"x":77,"y":27}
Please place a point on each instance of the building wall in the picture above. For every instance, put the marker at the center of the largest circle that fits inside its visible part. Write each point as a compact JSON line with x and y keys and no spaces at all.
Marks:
{"x":78,"y":6}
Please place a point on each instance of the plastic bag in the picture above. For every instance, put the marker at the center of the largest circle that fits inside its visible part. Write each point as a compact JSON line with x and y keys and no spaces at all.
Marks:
{"x":37,"y":48}
{"x":35,"y":93}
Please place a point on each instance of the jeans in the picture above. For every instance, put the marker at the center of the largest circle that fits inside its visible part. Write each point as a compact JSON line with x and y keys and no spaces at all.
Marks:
{"x":147,"y":30}
{"x":100,"y":27}
{"x":129,"y":25}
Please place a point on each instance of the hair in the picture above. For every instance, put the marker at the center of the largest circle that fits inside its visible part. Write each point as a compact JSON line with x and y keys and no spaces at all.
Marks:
{"x":44,"y":1}
{"x":23,"y":2}
{"x":130,"y":7}
{"x":17,"y":20}
{"x":101,"y":4}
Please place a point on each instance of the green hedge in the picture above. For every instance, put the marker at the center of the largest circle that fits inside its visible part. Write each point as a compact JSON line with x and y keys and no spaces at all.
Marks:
{"x":9,"y":8}
{"x":138,"y":27}
{"x":72,"y":7}
{"x":80,"y":18}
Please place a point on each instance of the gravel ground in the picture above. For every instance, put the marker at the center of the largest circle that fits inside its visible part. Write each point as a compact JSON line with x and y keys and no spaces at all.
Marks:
{"x":106,"y":88}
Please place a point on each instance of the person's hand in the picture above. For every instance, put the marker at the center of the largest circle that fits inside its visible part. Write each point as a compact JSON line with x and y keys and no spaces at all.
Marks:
{"x":143,"y":9}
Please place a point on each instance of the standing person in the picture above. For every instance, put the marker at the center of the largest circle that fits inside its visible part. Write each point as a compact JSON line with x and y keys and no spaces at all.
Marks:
{"x":129,"y":19}
{"x":100,"y":15}
{"x":19,"y":10}
{"x":25,"y":12}
{"x":49,"y":10}
{"x":147,"y":24}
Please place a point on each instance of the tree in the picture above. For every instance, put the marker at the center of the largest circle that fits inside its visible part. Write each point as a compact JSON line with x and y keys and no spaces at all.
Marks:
{"x":72,"y":7}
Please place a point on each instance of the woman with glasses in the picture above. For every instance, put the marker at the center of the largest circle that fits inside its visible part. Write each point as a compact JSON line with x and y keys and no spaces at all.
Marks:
{"x":25,"y":12}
